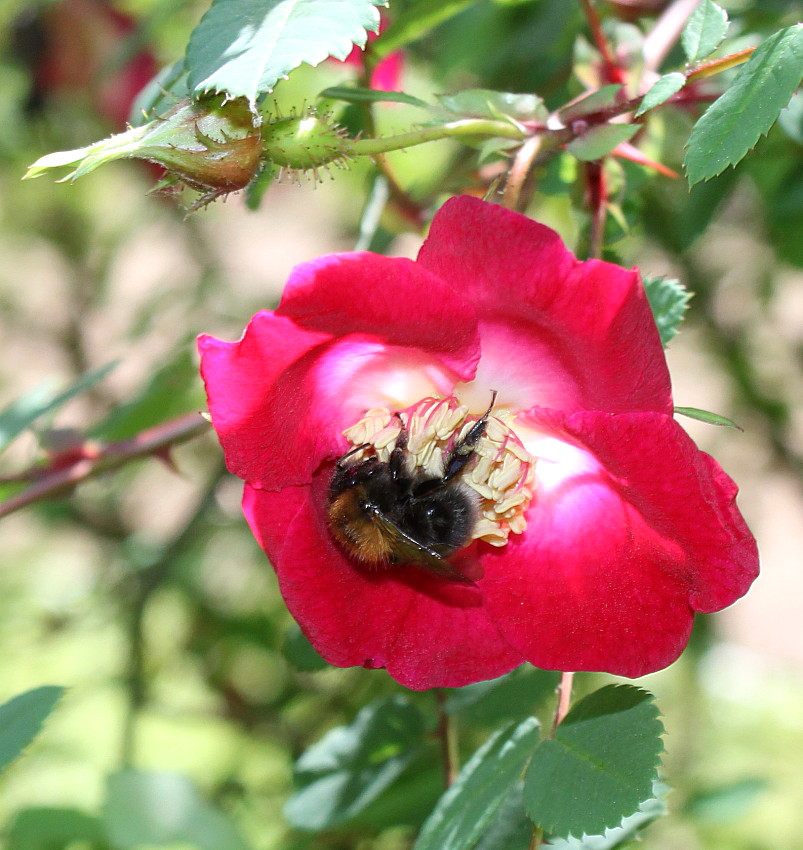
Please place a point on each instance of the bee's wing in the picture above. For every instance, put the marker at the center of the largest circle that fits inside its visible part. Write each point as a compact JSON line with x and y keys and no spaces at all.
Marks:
{"x":409,"y":550}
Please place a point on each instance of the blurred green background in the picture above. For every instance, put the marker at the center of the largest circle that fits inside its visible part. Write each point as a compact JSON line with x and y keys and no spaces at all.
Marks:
{"x":144,"y":593}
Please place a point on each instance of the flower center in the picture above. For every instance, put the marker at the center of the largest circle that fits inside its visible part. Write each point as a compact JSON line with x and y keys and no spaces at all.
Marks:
{"x":500,"y":476}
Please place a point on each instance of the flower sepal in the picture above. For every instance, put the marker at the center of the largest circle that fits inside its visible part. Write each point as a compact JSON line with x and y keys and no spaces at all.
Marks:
{"x":210,"y":145}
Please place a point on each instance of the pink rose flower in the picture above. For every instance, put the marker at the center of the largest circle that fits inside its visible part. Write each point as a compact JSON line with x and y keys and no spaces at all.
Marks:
{"x":596,"y":527}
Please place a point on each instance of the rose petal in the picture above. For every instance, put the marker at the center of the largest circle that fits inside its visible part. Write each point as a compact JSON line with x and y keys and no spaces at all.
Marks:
{"x":391,"y":299}
{"x":592,"y":318}
{"x":632,"y":529}
{"x":426,"y":631}
{"x":344,"y":339}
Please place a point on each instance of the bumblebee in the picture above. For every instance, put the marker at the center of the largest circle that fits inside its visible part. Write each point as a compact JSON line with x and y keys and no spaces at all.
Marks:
{"x":387,"y":513}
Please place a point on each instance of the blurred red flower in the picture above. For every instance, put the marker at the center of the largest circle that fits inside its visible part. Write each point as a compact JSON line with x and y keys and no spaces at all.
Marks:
{"x":387,"y":74}
{"x":600,"y":528}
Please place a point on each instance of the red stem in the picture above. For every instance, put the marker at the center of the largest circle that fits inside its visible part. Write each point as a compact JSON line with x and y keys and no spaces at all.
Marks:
{"x":613,"y":73}
{"x":104,"y":457}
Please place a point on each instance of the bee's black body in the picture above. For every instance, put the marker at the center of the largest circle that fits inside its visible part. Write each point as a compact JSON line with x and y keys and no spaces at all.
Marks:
{"x":383,"y":513}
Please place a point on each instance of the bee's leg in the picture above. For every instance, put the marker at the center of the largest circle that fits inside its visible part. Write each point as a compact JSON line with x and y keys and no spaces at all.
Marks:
{"x":461,"y":453}
{"x":348,"y":454}
{"x":397,"y":455}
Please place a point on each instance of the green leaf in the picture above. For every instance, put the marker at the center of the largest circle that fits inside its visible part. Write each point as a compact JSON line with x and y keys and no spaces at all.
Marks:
{"x":22,"y":717}
{"x":22,"y":413}
{"x":599,"y":767}
{"x":704,"y":31}
{"x":733,"y":124}
{"x":300,"y":652}
{"x":707,"y":416}
{"x":171,"y":391}
{"x":46,"y":828}
{"x":661,"y":91}
{"x":486,"y":103}
{"x":599,"y":141}
{"x":588,"y":104}
{"x":354,"y":94}
{"x":791,"y":118}
{"x":628,"y":830}
{"x":416,"y":20}
{"x":351,"y":765}
{"x":244,"y":47}
{"x":255,"y":190}
{"x":163,"y":809}
{"x":727,"y":802}
{"x":471,"y":802}
{"x":669,"y":300}
{"x":163,"y":91}
{"x":510,"y":828}
{"x":510,"y":697}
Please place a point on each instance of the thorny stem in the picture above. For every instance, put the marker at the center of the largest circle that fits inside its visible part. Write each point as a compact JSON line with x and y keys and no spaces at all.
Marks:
{"x":104,"y":457}
{"x":613,"y":73}
{"x":663,"y":36}
{"x":513,"y":198}
{"x":597,"y":197}
{"x":408,"y":208}
{"x":535,"y":841}
{"x":454,"y":129}
{"x":716,"y":66}
{"x":447,"y":733}
{"x":564,"y":693}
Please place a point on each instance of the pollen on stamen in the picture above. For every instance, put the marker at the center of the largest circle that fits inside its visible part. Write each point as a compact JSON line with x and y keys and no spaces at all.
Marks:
{"x":501,"y":474}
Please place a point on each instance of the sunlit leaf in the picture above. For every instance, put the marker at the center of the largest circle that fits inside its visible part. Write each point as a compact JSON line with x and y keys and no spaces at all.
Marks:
{"x":733,"y":124}
{"x":351,"y":765}
{"x":486,"y":103}
{"x":416,"y":20}
{"x":605,"y":753}
{"x":244,"y":47}
{"x":164,"y":809}
{"x":22,"y":717}
{"x":704,"y":31}
{"x":669,"y":300}
{"x":600,"y":140}
{"x":22,"y":413}
{"x":471,"y":802}
{"x":46,"y":828}
{"x":590,"y":103}
{"x":661,"y":91}
{"x":708,"y":417}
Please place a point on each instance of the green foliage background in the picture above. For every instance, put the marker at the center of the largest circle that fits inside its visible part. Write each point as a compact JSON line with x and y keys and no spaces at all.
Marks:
{"x":144,"y":593}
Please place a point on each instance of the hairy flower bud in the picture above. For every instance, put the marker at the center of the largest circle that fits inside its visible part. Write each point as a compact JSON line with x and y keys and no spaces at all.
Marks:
{"x":211,"y":145}
{"x":305,"y":141}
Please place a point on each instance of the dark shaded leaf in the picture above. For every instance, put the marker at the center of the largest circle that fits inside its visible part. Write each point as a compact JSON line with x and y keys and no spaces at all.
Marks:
{"x":300,"y":652}
{"x":600,"y":766}
{"x":354,"y":94}
{"x":511,"y":697}
{"x":469,"y":805}
{"x":164,"y":809}
{"x":21,"y":719}
{"x":351,"y":765}
{"x":416,"y":20}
